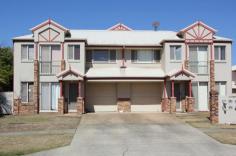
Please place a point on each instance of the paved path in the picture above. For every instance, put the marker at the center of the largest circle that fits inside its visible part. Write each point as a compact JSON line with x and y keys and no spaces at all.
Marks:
{"x":139,"y":134}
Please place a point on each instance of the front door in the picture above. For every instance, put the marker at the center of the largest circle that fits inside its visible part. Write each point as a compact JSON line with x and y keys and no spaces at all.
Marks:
{"x":180,"y":94}
{"x":202,"y":96}
{"x":73,"y":93}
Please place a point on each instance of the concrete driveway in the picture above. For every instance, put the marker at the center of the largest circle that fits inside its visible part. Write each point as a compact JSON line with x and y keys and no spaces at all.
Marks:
{"x":139,"y":134}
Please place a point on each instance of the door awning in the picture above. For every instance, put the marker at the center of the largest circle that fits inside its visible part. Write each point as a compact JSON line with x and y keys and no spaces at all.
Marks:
{"x":70,"y":75}
{"x":181,"y":74}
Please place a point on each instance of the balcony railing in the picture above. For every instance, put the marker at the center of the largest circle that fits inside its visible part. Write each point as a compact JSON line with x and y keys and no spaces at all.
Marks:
{"x":50,"y":67}
{"x":198,"y":67}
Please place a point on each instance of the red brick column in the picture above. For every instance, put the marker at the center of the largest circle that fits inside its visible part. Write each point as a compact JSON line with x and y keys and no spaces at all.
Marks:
{"x":190,"y":104}
{"x":63,"y":65}
{"x":80,"y":105}
{"x":213,"y":94}
{"x":61,"y":105}
{"x":36,"y":87}
{"x":16,"y":106}
{"x":172,"y":106}
{"x":183,"y":105}
{"x":165,"y":102}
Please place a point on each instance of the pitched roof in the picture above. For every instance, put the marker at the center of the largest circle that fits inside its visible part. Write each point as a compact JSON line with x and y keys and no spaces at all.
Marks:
{"x":49,"y":21}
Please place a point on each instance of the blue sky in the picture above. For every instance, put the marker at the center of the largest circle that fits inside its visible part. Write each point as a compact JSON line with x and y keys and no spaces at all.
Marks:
{"x":18,"y":16}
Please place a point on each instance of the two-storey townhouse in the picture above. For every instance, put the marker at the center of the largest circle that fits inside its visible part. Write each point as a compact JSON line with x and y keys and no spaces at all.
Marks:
{"x":119,"y":69}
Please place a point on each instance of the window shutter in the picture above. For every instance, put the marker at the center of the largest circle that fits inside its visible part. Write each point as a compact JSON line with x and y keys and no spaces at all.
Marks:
{"x":172,"y":52}
{"x":134,"y":55}
{"x":112,"y":55}
{"x":217,"y":52}
{"x":157,"y":55}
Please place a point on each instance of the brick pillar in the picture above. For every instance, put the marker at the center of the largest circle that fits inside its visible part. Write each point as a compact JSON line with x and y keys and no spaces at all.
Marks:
{"x":172,"y":106}
{"x":123,"y":105}
{"x":190,"y":104}
{"x":61,"y":105}
{"x":36,"y":87}
{"x":213,"y":95}
{"x":63,"y":65}
{"x":164,"y":104}
{"x":16,"y":106}
{"x":80,"y":105}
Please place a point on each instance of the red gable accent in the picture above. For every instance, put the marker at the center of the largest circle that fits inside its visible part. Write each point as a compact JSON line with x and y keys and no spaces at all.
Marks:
{"x":197,"y":24}
{"x":49,"y":21}
{"x":120,"y":27}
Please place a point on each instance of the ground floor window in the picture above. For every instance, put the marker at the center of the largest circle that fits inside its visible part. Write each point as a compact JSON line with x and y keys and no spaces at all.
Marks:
{"x":49,"y":94}
{"x":221,"y":88}
{"x":27,"y":91}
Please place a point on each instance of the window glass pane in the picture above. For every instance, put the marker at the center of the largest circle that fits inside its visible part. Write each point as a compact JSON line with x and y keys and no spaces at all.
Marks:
{"x":30,"y":91}
{"x":222,"y":54}
{"x":145,"y":56}
{"x":45,"y":96}
{"x":100,"y":56}
{"x":113,"y":56}
{"x":202,"y":48}
{"x":76,"y":52}
{"x":178,"y":53}
{"x":24,"y":52}
{"x":24,"y":91}
{"x":89,"y":56}
{"x":70,"y":52}
{"x":172,"y":53}
{"x":217,"y":53}
{"x":157,"y":55}
{"x":31,"y":52}
{"x":55,"y":93}
{"x":134,"y":55}
{"x":56,"y":53}
{"x":45,"y":53}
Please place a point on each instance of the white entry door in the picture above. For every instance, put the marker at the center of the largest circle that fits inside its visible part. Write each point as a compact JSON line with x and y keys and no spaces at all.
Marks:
{"x":203,"y":96}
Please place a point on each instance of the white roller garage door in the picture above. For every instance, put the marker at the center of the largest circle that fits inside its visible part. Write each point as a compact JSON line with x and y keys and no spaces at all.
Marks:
{"x":146,"y":97}
{"x":101,"y":97}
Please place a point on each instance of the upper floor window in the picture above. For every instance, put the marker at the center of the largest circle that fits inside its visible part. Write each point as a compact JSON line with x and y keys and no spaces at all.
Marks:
{"x":107,"y":56}
{"x":50,"y":59}
{"x":74,"y":52}
{"x":27,"y":52}
{"x":175,"y":53}
{"x":27,"y":91}
{"x":219,"y":53}
{"x":145,"y":56}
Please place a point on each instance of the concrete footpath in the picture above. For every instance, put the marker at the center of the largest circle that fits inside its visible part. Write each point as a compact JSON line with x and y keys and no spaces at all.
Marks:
{"x":139,"y":134}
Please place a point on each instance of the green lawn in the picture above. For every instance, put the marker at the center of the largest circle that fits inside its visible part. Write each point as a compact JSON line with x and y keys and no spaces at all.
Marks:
{"x":27,"y":134}
{"x":222,"y":132}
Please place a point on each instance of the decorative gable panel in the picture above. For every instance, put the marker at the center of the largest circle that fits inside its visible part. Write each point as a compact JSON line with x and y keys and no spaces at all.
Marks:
{"x":48,"y":35}
{"x":119,"y":27}
{"x":198,"y":32}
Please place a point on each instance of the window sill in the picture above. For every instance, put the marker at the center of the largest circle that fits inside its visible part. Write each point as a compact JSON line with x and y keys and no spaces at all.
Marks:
{"x":173,"y":61}
{"x":145,"y":62}
{"x":74,"y":61}
{"x":103,"y":62}
{"x":218,"y":61}
{"x":29,"y":61}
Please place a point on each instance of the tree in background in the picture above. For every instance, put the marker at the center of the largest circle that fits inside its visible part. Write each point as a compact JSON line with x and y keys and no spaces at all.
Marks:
{"x":6,"y":69}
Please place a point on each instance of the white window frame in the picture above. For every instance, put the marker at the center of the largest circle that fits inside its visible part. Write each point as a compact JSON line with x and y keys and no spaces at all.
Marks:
{"x":175,"y":60}
{"x":219,"y":55}
{"x":27,"y":59}
{"x":109,"y":53}
{"x":220,"y":83}
{"x":73,"y":59}
{"x":27,"y":83}
{"x":50,"y":97}
{"x":146,"y":62}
